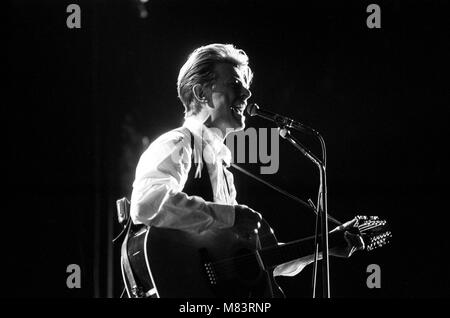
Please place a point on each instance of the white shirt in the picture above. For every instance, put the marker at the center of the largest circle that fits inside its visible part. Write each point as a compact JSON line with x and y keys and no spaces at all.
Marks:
{"x":158,"y":198}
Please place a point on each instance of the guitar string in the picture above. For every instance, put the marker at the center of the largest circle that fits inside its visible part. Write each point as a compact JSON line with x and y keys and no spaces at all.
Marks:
{"x":237,"y":258}
{"x":224,"y":267}
{"x":362,"y":229}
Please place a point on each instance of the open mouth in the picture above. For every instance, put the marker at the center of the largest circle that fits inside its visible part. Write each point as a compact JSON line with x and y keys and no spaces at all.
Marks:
{"x":239,"y":109}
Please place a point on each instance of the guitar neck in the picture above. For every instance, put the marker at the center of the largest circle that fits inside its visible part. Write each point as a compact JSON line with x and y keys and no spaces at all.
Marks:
{"x":280,"y":254}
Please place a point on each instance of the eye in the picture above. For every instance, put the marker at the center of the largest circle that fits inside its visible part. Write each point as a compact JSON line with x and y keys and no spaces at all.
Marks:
{"x":237,"y":83}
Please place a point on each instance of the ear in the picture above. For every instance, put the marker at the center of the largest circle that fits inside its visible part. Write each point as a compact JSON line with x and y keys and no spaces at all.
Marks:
{"x":199,"y":93}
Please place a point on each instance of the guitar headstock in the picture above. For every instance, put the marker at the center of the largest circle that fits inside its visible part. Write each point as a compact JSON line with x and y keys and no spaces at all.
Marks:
{"x":374,"y":231}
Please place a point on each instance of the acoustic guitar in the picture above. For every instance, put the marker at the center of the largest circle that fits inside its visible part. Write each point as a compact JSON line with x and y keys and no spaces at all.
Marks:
{"x":225,"y":262}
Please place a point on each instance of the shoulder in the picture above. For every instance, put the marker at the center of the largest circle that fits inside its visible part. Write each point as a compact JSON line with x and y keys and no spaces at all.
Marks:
{"x":174,"y":137}
{"x":176,"y":140}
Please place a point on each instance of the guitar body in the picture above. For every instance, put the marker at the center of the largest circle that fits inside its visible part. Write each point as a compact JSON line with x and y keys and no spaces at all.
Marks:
{"x":215,"y":263}
{"x":222,"y":263}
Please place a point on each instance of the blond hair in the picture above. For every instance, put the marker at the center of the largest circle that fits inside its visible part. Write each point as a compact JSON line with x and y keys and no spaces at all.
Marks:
{"x":199,"y":69}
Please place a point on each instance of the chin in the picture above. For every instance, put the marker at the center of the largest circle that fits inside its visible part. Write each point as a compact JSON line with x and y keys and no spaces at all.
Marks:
{"x":235,"y":125}
{"x":235,"y":129}
{"x":241,"y":126}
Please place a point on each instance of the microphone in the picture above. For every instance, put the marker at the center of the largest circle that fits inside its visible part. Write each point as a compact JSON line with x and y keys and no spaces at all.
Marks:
{"x":282,"y":121}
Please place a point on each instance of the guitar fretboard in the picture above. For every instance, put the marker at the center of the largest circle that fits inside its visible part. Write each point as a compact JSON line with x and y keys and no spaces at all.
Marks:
{"x":280,"y":254}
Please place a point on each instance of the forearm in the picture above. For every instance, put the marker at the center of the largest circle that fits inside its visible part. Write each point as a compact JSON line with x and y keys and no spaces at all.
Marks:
{"x":162,"y":207}
{"x":294,"y":267}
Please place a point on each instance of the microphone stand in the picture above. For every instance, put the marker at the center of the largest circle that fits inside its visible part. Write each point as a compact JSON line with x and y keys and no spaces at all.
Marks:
{"x":322,"y":199}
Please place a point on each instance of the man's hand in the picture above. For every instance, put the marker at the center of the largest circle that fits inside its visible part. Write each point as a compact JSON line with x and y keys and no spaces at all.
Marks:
{"x":247,"y":219}
{"x":352,"y":243}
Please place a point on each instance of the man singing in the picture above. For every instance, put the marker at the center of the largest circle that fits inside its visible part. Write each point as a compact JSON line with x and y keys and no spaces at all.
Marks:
{"x":182,"y":181}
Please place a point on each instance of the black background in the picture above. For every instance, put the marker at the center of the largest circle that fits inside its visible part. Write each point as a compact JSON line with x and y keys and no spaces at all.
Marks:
{"x":79,"y":101}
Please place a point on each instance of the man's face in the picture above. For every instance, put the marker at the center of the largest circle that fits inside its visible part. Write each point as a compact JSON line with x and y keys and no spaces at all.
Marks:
{"x":228,"y":99}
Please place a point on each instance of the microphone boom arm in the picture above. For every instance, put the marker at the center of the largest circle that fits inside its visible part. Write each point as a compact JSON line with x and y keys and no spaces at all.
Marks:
{"x":309,"y":206}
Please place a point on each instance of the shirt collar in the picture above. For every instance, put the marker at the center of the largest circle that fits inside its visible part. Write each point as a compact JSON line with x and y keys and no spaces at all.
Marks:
{"x":211,"y":137}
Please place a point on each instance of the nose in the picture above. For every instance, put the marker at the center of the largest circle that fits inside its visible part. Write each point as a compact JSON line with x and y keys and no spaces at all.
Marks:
{"x":246,"y":94}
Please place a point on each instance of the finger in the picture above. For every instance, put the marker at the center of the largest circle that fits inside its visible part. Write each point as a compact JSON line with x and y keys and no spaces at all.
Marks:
{"x":259,"y":216}
{"x":349,"y":223}
{"x":256,"y":214}
{"x":344,"y":226}
{"x":352,"y":239}
{"x":348,"y":237}
{"x":362,"y":245}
